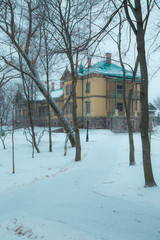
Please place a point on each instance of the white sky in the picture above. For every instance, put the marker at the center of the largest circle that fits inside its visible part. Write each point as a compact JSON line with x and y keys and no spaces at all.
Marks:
{"x":152,"y":57}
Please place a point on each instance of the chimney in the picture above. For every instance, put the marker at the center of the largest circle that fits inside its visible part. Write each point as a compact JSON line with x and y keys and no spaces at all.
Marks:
{"x":89,"y":61}
{"x":52,"y":86}
{"x":108,"y":58}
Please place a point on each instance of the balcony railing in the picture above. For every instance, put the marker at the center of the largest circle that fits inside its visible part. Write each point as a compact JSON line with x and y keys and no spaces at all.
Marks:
{"x":122,"y":114}
{"x":119,"y":94}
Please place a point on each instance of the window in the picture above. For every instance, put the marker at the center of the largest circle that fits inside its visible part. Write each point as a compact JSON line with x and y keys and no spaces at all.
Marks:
{"x":119,"y":89}
{"x":120,"y":107}
{"x":135,"y":105}
{"x":88,"y":87}
{"x":87,"y":107}
{"x":67,"y":109}
{"x":70,"y":106}
{"x":67,"y":90}
{"x":34,"y":112}
{"x":42,"y":112}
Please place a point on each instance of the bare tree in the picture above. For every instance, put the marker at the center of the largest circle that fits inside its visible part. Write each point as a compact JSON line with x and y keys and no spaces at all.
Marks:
{"x":28,"y":91}
{"x":17,"y":33}
{"x":48,"y":87}
{"x":13,"y":158}
{"x":3,"y":136}
{"x":70,"y":22}
{"x":138,"y":22}
{"x":127,"y":101}
{"x":47,"y":59}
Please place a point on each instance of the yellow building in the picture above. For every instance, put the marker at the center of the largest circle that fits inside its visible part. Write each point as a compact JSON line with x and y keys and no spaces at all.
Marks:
{"x":100,"y":96}
{"x":99,"y":93}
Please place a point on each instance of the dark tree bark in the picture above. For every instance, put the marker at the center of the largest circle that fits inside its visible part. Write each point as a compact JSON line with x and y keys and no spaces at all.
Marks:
{"x":139,"y":27}
{"x":13,"y":160}
{"x":127,"y":105}
{"x":74,"y":110}
{"x":149,"y":179}
{"x":68,"y":35}
{"x":12,"y":30}
{"x":29,"y":105}
{"x":48,"y":90}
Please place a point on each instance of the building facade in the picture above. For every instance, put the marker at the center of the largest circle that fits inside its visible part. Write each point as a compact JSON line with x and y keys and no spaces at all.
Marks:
{"x":39,"y":109}
{"x":99,"y":93}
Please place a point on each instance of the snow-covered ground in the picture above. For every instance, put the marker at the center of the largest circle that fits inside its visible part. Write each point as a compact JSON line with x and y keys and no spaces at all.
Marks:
{"x":51,"y":197}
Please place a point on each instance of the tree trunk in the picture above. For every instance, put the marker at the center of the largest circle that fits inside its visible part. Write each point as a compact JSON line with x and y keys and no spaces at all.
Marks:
{"x":13,"y":163}
{"x":9,"y":29}
{"x":144,"y":127}
{"x":27,"y":95}
{"x":48,"y":88}
{"x":32,"y":126}
{"x":75,"y":121}
{"x":78,"y":146}
{"x":35,"y":77}
{"x":127,"y":106}
{"x":49,"y":128}
{"x":49,"y":116}
{"x":131,"y":142}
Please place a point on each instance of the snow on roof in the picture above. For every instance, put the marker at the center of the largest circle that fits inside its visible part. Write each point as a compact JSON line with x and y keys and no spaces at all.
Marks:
{"x":106,"y":69}
{"x":57,"y":93}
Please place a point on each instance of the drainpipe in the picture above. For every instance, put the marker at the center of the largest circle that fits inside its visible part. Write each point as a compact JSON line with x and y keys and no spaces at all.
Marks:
{"x":81,"y":72}
{"x":115,"y":93}
{"x":82,"y":103}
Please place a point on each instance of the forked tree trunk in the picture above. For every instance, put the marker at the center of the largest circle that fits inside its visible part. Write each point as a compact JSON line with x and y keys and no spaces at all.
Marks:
{"x":28,"y":91}
{"x":27,"y":95}
{"x":144,"y":127}
{"x":139,"y":32}
{"x":32,"y":127}
{"x":9,"y":30}
{"x":127,"y":105}
{"x":35,"y":77}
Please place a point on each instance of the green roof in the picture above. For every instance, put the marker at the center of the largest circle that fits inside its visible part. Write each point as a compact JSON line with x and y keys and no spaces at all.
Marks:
{"x":109,"y":70}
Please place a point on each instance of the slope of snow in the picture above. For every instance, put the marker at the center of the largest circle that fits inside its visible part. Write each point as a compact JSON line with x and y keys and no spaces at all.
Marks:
{"x":51,"y":197}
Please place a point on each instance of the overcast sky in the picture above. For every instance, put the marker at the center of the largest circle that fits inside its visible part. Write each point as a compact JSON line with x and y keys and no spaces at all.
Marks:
{"x":153,"y":57}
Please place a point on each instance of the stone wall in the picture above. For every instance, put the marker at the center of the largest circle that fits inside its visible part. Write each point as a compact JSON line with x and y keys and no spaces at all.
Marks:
{"x":115,"y":123}
{"x":119,"y":124}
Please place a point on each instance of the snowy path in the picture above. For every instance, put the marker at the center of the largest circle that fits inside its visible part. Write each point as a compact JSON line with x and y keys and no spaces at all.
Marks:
{"x":70,"y":206}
